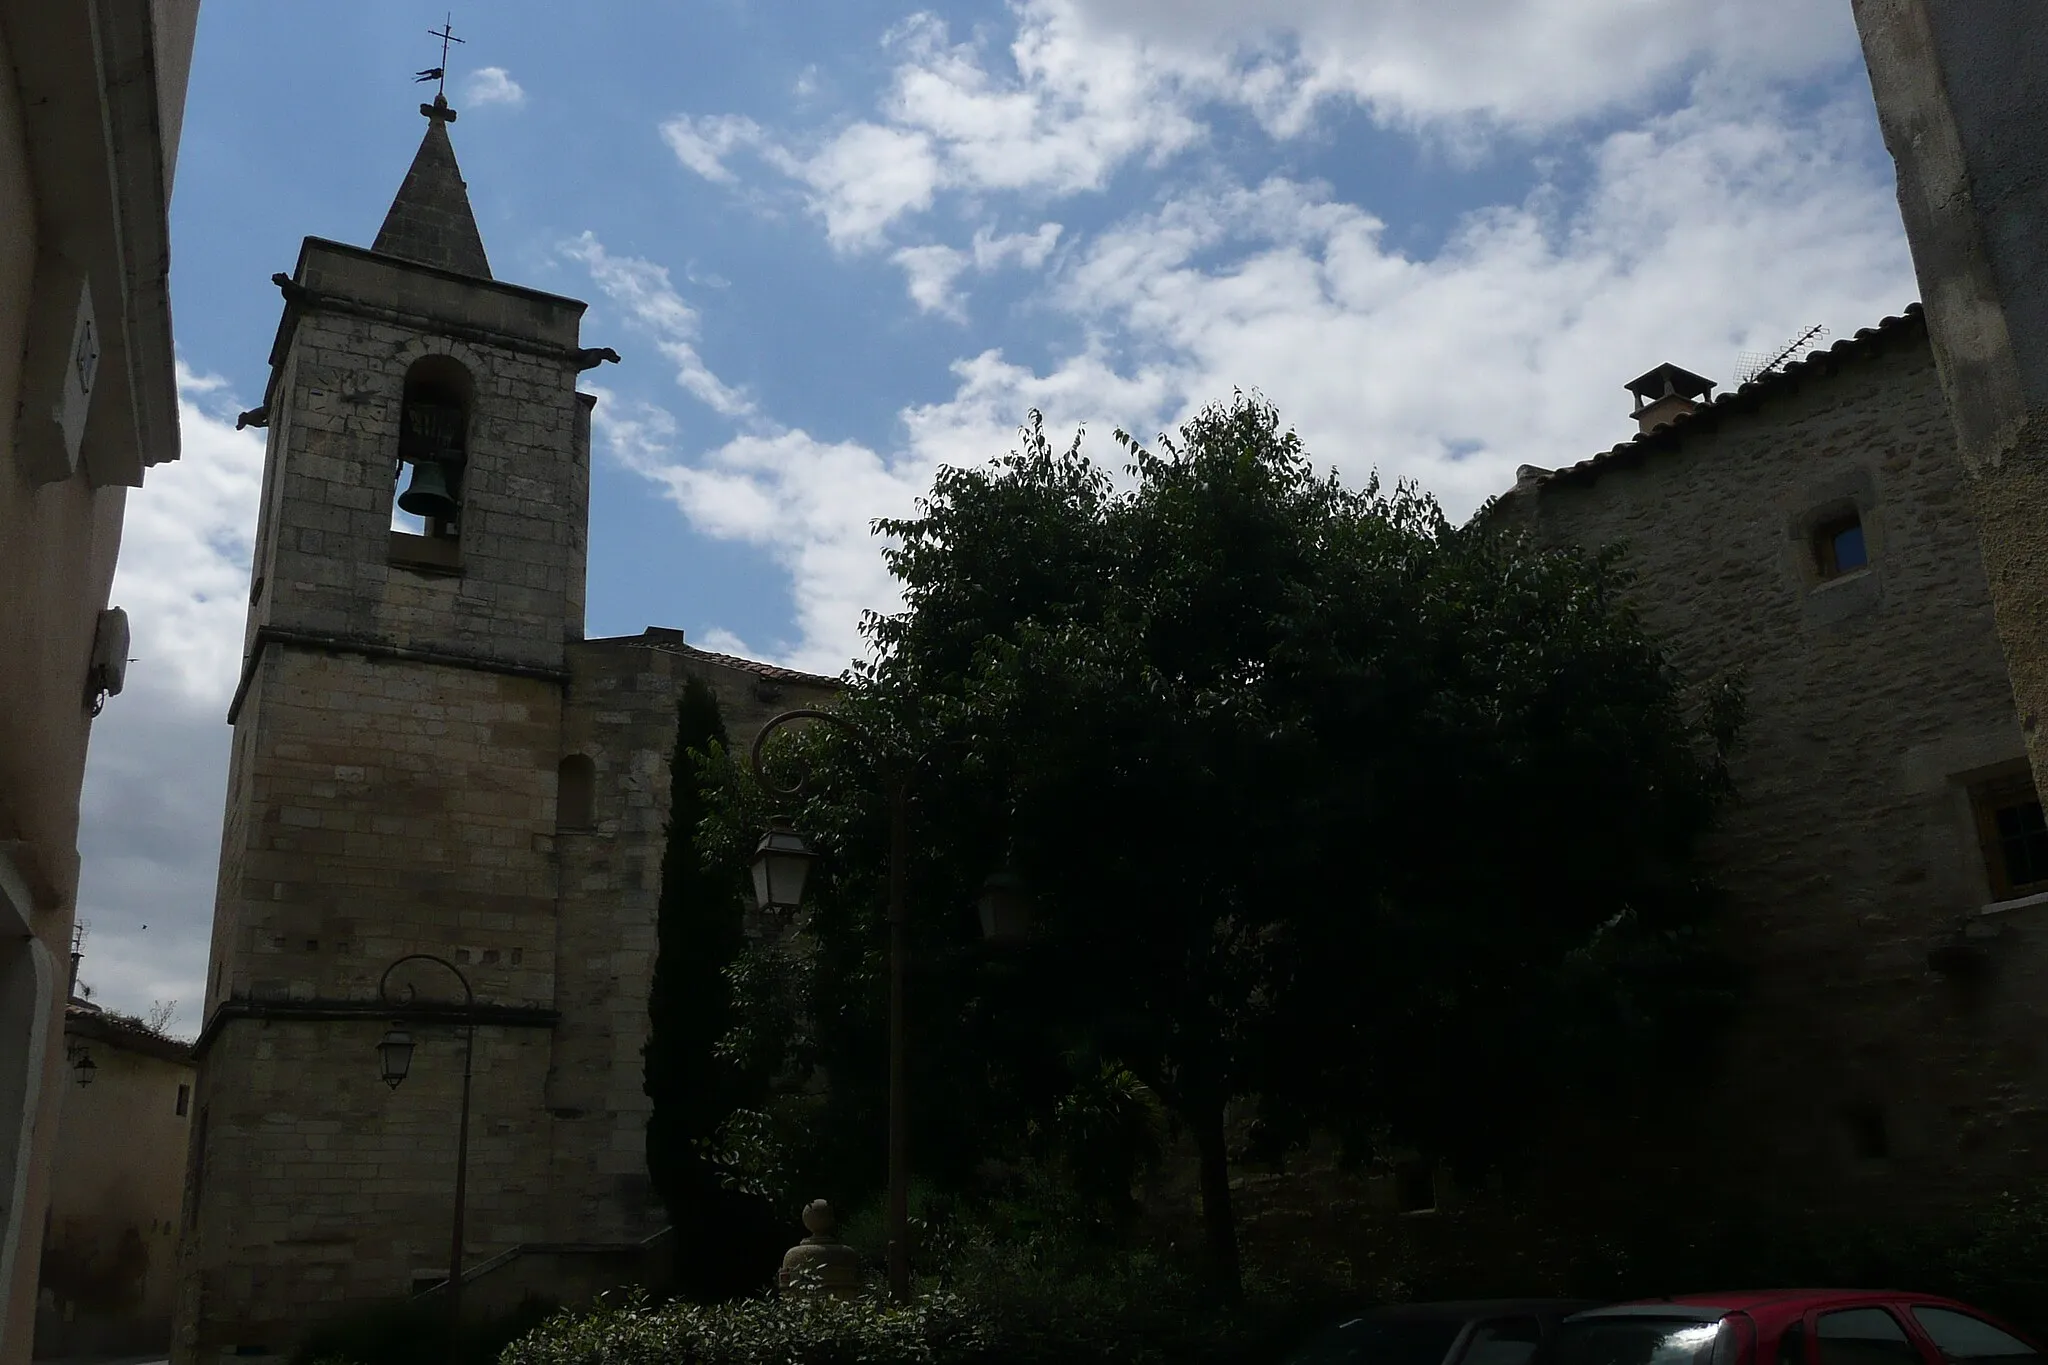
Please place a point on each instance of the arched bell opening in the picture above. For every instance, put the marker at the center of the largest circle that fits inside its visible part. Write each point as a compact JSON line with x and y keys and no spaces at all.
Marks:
{"x":433,"y":447}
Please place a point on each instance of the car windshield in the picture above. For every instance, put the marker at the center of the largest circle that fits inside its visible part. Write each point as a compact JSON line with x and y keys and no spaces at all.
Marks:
{"x":1635,"y":1341}
{"x":1365,"y":1341}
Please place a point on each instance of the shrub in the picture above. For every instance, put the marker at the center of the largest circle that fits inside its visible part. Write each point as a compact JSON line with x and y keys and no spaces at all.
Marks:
{"x":2003,"y":1265}
{"x":1080,"y":1326}
{"x":937,"y":1329}
{"x":415,"y":1332}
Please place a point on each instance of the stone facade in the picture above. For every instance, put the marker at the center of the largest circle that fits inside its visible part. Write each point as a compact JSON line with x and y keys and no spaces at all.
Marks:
{"x":428,"y":758}
{"x":1888,"y":1056}
{"x":1956,"y":88}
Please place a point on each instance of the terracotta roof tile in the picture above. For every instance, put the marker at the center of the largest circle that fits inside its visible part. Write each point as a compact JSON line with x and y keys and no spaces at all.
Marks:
{"x":1867,"y":341}
{"x":773,"y":671}
{"x":670,"y":640}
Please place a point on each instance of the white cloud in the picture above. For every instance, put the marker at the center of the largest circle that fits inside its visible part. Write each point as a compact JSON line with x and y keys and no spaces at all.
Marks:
{"x":1028,"y":249}
{"x":866,"y":178}
{"x":1087,"y":86}
{"x":493,"y":85}
{"x":1079,"y":105}
{"x":1702,"y":233}
{"x":1522,"y":64}
{"x":930,"y":271}
{"x":643,"y":290}
{"x":703,"y":144}
{"x":156,"y":777}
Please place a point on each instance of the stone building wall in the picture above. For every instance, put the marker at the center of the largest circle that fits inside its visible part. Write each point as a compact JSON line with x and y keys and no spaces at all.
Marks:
{"x":1859,"y":1072}
{"x":329,"y":564}
{"x":387,"y":807}
{"x":429,"y":758}
{"x":318,"y":1186}
{"x":393,"y":807}
{"x":391,"y":791}
{"x":623,"y":695}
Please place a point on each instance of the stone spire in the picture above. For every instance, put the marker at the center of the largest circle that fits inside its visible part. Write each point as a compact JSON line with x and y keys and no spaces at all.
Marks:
{"x":430,"y":221}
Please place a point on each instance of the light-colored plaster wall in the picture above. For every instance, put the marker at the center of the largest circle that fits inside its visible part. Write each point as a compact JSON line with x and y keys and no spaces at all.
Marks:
{"x":1875,"y":700}
{"x":109,"y":1255}
{"x":58,"y":540}
{"x":57,"y":548}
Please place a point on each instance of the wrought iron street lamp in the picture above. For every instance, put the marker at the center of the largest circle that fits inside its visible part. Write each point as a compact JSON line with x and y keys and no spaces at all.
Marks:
{"x":85,"y":1068}
{"x":394,"y":1055}
{"x":781,"y":862}
{"x":1005,"y":908}
{"x":394,"y":1058}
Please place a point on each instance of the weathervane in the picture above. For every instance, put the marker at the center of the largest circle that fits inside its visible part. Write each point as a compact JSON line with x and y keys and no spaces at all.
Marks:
{"x":439,"y":74}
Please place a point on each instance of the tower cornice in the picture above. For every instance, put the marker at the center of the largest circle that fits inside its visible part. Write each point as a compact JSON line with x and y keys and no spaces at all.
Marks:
{"x":376,"y":649}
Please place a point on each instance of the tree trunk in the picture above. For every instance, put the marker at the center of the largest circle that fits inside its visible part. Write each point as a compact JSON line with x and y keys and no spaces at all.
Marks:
{"x":1219,"y":1220}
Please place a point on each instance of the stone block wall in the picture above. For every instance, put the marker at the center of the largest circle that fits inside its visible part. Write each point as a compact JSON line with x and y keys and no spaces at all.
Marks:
{"x":621,"y":714}
{"x":405,"y":709}
{"x":316,"y":1186}
{"x":384,"y":807}
{"x":1859,"y":1074}
{"x":324,"y":565}
{"x":378,"y":807}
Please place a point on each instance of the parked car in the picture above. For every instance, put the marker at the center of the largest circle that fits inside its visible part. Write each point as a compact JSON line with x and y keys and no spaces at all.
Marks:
{"x":1469,"y":1332}
{"x":1790,"y":1327}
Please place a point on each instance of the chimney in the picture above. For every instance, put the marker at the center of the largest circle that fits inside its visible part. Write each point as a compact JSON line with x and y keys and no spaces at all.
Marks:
{"x":1666,"y":394}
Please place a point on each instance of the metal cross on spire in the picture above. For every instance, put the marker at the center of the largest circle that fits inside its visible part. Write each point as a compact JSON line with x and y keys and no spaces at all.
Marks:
{"x":439,"y":74}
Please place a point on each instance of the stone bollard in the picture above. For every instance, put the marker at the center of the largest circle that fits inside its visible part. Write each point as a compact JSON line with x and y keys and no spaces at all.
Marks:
{"x":820,"y":1263}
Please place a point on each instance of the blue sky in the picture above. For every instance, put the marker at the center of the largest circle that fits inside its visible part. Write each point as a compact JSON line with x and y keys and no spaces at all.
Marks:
{"x":839,"y":244}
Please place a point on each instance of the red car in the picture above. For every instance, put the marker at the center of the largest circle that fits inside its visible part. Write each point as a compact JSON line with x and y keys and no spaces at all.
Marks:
{"x":1790,"y":1327}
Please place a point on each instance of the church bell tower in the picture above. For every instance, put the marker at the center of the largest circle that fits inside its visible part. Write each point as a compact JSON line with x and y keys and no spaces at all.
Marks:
{"x":417,"y":583}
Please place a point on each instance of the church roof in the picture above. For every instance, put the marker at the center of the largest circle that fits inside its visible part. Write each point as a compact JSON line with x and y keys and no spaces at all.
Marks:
{"x":670,"y":640}
{"x":773,"y":672}
{"x":430,"y":221}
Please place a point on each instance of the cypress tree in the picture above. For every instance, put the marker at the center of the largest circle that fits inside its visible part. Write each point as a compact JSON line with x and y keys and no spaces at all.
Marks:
{"x":719,"y":1235}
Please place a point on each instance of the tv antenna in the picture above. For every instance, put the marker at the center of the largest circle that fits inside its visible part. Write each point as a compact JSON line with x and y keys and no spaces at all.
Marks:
{"x":78,"y":931}
{"x":1753,"y":365}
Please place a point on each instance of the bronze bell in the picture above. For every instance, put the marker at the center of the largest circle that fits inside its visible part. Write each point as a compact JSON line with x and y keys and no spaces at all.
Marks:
{"x":429,"y":494}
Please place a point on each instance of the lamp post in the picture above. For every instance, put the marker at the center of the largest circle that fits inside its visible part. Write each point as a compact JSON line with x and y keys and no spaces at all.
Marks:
{"x":781,"y":865}
{"x":394,"y":1057}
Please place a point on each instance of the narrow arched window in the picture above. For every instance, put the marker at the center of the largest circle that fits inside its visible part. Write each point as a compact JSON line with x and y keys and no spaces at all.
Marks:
{"x":576,"y":793}
{"x":433,"y":447}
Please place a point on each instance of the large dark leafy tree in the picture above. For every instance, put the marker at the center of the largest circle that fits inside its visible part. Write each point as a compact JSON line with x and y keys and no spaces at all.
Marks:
{"x":1332,"y":810}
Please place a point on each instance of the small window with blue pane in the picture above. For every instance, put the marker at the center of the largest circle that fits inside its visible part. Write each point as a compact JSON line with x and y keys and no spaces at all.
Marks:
{"x":1838,"y":546}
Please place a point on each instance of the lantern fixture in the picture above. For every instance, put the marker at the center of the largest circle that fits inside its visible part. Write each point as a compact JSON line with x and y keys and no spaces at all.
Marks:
{"x":394,"y":1055}
{"x":782,"y":861}
{"x":1005,"y":909}
{"x":85,"y":1068}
